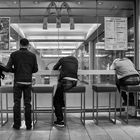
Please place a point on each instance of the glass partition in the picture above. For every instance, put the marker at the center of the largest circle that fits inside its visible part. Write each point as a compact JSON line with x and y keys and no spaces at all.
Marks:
{"x":114,"y":36}
{"x":60,"y":28}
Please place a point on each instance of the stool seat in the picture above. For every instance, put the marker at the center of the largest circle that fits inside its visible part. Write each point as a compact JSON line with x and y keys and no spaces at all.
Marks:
{"x":42,"y":89}
{"x":104,"y":87}
{"x":131,"y":88}
{"x":77,"y":89}
{"x":6,"y":89}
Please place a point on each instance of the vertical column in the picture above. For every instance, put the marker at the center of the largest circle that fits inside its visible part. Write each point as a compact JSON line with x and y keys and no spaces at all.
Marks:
{"x":17,"y":45}
{"x":137,"y":32}
{"x":91,"y":51}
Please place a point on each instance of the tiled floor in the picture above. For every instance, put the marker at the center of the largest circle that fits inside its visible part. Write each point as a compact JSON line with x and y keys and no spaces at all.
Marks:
{"x":74,"y":130}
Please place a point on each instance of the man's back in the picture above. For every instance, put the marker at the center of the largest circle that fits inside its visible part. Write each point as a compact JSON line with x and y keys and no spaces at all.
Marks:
{"x":124,"y":67}
{"x":68,"y":67}
{"x":24,"y":63}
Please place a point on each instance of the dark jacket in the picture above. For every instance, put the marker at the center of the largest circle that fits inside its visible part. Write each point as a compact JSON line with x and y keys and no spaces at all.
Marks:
{"x":68,"y":67}
{"x":22,"y":63}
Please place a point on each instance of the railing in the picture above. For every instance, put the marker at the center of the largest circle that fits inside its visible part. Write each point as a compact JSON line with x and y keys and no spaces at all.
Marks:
{"x":80,"y":72}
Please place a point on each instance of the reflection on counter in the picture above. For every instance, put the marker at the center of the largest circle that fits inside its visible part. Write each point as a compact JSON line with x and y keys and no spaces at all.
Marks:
{"x":8,"y":80}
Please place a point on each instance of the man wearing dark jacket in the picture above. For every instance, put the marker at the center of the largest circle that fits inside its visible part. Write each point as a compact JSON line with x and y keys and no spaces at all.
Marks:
{"x":22,"y":63}
{"x":68,"y":67}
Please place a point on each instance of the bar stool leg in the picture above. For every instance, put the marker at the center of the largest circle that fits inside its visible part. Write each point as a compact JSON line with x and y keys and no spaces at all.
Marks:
{"x":120,"y":103}
{"x":84,"y":108}
{"x":7,"y":118}
{"x":127,"y":106}
{"x":109,"y":104}
{"x":97,"y":108}
{"x":81,"y":117}
{"x":93,"y":106}
{"x":1,"y":109}
{"x":115,"y":107}
{"x":52,"y":110}
{"x":65,"y":119}
{"x":33,"y":109}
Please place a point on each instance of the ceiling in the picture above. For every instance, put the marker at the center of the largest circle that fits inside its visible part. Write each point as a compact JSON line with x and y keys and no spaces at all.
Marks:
{"x":26,"y":17}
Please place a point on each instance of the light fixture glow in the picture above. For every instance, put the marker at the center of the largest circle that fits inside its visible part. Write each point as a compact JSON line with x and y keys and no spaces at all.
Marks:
{"x":58,"y":22}
{"x":72,"y":23}
{"x":45,"y":23}
{"x":53,"y":6}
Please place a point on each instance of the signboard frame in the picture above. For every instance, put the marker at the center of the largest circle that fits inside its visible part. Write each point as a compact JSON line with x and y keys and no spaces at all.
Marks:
{"x":116,"y":37}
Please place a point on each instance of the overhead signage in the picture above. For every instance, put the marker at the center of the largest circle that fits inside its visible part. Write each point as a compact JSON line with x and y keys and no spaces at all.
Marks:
{"x":4,"y":33}
{"x":115,"y":33}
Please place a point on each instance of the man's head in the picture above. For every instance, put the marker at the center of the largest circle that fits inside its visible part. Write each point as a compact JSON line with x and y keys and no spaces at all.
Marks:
{"x":24,"y":43}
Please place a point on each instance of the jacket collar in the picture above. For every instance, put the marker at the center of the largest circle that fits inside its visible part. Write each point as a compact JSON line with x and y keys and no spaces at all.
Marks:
{"x":23,"y":48}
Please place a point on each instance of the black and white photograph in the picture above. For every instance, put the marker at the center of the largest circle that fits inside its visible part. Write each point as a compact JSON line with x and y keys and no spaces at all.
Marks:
{"x":69,"y":70}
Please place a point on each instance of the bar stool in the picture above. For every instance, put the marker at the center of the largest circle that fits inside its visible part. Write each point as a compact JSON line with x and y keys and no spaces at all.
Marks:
{"x":76,"y":90}
{"x":128,"y":89}
{"x":4,"y":90}
{"x":104,"y":88}
{"x":42,"y":89}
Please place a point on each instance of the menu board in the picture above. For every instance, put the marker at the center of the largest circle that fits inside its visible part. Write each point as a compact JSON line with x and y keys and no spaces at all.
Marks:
{"x":115,"y":33}
{"x":4,"y":33}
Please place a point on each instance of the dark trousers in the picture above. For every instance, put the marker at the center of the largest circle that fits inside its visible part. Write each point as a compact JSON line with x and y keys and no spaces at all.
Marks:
{"x":58,"y":100}
{"x":18,"y":89}
{"x":128,"y":80}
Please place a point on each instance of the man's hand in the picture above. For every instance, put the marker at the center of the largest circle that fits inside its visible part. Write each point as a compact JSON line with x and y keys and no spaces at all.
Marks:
{"x":2,"y":76}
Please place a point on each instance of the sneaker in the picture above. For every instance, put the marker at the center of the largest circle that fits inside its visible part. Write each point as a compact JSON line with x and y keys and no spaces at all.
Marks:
{"x":59,"y":124}
{"x":16,"y":128}
{"x":132,"y":110}
{"x":28,"y":128}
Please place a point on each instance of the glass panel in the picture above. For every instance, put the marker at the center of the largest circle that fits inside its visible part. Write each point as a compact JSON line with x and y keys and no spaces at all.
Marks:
{"x":85,"y":40}
{"x":118,"y":33}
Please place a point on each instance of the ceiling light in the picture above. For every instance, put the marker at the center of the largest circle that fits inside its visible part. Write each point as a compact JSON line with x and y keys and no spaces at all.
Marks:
{"x":72,"y":23}
{"x":100,"y":3}
{"x":45,"y":23}
{"x":58,"y":22}
{"x":65,"y":52}
{"x":51,"y":55}
{"x":36,"y":2}
{"x":14,"y":2}
{"x":115,"y":7}
{"x":64,"y":6}
{"x":79,"y":3}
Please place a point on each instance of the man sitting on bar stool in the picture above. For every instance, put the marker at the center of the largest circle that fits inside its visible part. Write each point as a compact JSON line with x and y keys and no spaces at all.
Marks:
{"x":126,"y":74}
{"x":68,"y":67}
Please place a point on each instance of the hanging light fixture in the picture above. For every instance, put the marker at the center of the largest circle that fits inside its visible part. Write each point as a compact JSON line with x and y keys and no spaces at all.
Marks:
{"x":45,"y":23}
{"x":72,"y":23}
{"x":64,"y":6}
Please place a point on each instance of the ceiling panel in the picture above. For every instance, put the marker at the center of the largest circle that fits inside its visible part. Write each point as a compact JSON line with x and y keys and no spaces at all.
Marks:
{"x":27,"y":19}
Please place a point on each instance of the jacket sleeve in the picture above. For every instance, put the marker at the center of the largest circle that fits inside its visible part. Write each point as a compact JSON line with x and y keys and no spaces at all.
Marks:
{"x":57,"y":65}
{"x":9,"y":66}
{"x":35,"y":68}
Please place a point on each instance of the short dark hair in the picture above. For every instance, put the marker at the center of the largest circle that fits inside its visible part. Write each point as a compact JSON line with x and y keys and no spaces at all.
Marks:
{"x":24,"y":42}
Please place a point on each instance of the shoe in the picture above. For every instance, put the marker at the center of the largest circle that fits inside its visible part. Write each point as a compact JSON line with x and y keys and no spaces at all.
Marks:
{"x":124,"y":104}
{"x":16,"y":127}
{"x":28,"y":128}
{"x":132,"y":110}
{"x":59,"y":124}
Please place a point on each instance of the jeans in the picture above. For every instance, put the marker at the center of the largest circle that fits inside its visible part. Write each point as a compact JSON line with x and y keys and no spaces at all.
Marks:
{"x":18,"y":89}
{"x":58,"y":100}
{"x":128,"y":80}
